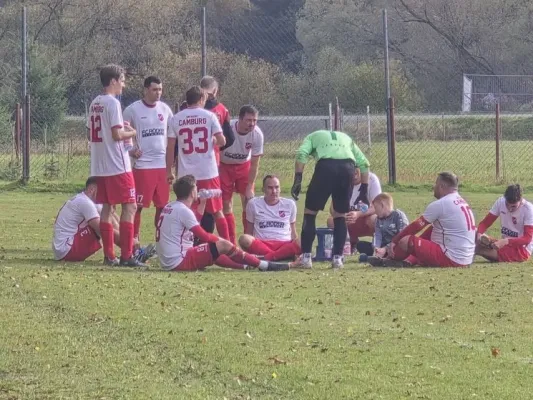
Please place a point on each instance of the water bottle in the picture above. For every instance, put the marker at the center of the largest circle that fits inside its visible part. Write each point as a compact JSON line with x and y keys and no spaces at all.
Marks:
{"x":209,"y":193}
{"x":362,"y":207}
{"x":347,"y":246}
{"x":328,"y":245}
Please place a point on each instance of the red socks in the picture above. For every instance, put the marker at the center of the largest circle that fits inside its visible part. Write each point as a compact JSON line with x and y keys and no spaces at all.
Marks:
{"x":222,"y":228}
{"x":225,"y":262}
{"x":126,"y":240}
{"x":241,"y":257}
{"x":230,"y":220}
{"x":137,"y":223}
{"x":108,"y":239}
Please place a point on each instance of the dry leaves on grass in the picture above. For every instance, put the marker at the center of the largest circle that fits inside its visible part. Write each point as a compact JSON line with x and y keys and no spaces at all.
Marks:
{"x":277,"y":360}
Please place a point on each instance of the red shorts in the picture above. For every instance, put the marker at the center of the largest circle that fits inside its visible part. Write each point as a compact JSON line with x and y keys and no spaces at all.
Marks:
{"x":213,"y":205}
{"x":363,"y":226}
{"x":233,"y":178}
{"x":85,"y":244}
{"x":273,"y":245}
{"x":513,"y":254}
{"x":151,"y":185}
{"x":196,"y":258}
{"x":116,"y":189}
{"x":430,"y":254}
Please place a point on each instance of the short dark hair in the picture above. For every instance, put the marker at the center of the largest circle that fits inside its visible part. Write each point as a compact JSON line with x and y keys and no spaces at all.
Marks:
{"x":92,"y":180}
{"x":267,"y":177}
{"x":449,"y":179}
{"x":151,"y":79}
{"x":110,"y":72}
{"x":247,"y":109}
{"x":183,"y":186}
{"x":194,"y":95}
{"x":513,"y":193}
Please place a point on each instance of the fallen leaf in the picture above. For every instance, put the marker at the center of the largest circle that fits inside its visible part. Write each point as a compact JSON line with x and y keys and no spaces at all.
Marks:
{"x":274,"y":375}
{"x":495,"y":351}
{"x":277,"y":360}
{"x":337,"y":303}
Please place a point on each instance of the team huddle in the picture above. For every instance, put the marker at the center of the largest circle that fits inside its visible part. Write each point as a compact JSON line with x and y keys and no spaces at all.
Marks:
{"x":139,"y":154}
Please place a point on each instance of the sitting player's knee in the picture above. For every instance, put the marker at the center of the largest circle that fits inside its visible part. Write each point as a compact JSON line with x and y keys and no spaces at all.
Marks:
{"x":406,"y":243}
{"x":245,"y":241}
{"x":224,"y":246}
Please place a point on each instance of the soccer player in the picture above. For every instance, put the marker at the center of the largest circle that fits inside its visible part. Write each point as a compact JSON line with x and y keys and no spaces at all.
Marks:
{"x":360,"y":223}
{"x":270,"y":230}
{"x":178,"y":225}
{"x":77,"y":227}
{"x":149,"y":117}
{"x":239,"y":164}
{"x":110,"y":162}
{"x":336,"y":155}
{"x":197,"y":131}
{"x":210,"y":85}
{"x":448,"y":242}
{"x":516,"y":218}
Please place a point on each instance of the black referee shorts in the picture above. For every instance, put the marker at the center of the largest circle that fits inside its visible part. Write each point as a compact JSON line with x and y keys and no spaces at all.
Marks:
{"x":331,"y":178}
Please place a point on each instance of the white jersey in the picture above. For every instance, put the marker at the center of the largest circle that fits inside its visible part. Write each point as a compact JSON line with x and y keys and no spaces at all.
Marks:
{"x":173,"y":235}
{"x":73,"y":216}
{"x":108,"y":157}
{"x":194,"y":129}
{"x":512,"y":224}
{"x":374,"y":188}
{"x":244,"y":147}
{"x":150,"y":122}
{"x":454,"y":227}
{"x":271,"y":222}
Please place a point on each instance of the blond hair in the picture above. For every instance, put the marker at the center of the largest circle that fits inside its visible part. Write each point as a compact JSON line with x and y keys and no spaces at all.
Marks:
{"x":385,"y":199}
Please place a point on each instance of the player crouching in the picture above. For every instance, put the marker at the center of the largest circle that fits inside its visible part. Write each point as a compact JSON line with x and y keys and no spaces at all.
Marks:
{"x":270,"y":229}
{"x":177,"y":227}
{"x":516,"y":218}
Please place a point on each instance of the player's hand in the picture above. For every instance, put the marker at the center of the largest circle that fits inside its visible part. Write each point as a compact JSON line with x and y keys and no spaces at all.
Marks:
{"x":351,"y":217}
{"x":170,"y":178}
{"x":249,"y":193}
{"x":380,"y":252}
{"x":297,"y":185}
{"x":498,"y":244}
{"x":136,"y":153}
{"x":363,"y":194}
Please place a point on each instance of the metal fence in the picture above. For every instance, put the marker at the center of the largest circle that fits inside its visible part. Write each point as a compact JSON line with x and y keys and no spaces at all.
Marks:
{"x":264,"y":70}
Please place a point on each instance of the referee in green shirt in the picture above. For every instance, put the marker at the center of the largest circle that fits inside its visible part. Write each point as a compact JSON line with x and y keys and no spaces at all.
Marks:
{"x":336,"y":155}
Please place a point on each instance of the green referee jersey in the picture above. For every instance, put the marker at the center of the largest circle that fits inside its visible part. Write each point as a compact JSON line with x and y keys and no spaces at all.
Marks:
{"x":331,"y":144}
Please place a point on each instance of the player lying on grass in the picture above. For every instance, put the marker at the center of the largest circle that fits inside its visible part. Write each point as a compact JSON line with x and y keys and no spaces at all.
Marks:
{"x":77,"y":228}
{"x":359,"y":223}
{"x":516,"y":219}
{"x":175,"y":233}
{"x":448,"y":242}
{"x":270,"y":228}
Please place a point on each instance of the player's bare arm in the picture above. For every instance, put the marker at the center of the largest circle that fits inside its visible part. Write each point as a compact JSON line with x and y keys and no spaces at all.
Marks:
{"x":120,"y":134}
{"x":219,"y":139}
{"x":294,"y":235}
{"x":170,"y":159}
{"x":249,"y":229}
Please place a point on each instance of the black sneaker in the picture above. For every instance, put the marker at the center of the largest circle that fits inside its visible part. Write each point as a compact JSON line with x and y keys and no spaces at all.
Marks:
{"x":396,"y":263}
{"x":375,"y":261}
{"x":111,"y":263}
{"x":274,"y":266}
{"x":132,"y":262}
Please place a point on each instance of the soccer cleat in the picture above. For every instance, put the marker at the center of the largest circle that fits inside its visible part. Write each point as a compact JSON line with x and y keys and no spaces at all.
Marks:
{"x":274,"y":266}
{"x":337,"y":262}
{"x":111,"y":262}
{"x":145,"y":253}
{"x":306,"y":261}
{"x":486,"y":241}
{"x":132,"y":262}
{"x":375,"y":261}
{"x":396,"y":263}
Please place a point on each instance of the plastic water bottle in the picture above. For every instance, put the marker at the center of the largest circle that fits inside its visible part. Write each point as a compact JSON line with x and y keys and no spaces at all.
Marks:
{"x":209,"y":193}
{"x":362,"y":207}
{"x":347,"y":246}
{"x":328,"y":246}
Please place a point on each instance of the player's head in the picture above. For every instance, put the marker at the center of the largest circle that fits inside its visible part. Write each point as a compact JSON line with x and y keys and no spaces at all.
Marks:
{"x":112,"y":78}
{"x":247,"y":119}
{"x":447,"y":182}
{"x":383,"y":204}
{"x":91,"y":187}
{"x":210,"y":85}
{"x":271,"y":189}
{"x":185,"y":188}
{"x":513,"y":197}
{"x":153,"y":88}
{"x":357,"y":176}
{"x":196,"y":96}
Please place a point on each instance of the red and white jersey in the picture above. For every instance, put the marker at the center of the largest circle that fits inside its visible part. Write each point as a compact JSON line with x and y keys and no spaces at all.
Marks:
{"x":194,"y":129}
{"x":173,"y":234}
{"x":108,"y":157}
{"x":244,"y":147}
{"x":512,"y":224}
{"x":271,"y":222}
{"x":151,"y":123}
{"x":454,"y":227}
{"x":73,"y":216}
{"x":374,"y":188}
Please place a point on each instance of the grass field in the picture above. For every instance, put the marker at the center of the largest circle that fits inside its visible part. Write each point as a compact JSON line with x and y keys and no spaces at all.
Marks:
{"x":87,"y":332}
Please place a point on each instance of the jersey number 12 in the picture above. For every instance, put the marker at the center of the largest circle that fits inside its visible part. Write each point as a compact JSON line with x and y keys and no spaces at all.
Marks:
{"x":96,"y":128}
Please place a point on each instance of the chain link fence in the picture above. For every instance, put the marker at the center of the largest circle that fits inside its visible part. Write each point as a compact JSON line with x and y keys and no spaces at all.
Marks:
{"x":259,"y":59}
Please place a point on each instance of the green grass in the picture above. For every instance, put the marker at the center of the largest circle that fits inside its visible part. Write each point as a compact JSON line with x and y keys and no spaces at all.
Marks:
{"x":86,"y":332}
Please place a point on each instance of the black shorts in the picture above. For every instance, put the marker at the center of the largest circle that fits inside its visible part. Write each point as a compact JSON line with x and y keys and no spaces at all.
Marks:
{"x":331,"y":178}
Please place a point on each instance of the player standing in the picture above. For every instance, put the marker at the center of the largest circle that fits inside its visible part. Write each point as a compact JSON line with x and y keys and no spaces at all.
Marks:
{"x":516,"y":217}
{"x":149,"y":117}
{"x":450,"y":241}
{"x":239,"y":164}
{"x":337,"y":155}
{"x":110,"y":162}
{"x":197,"y":131}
